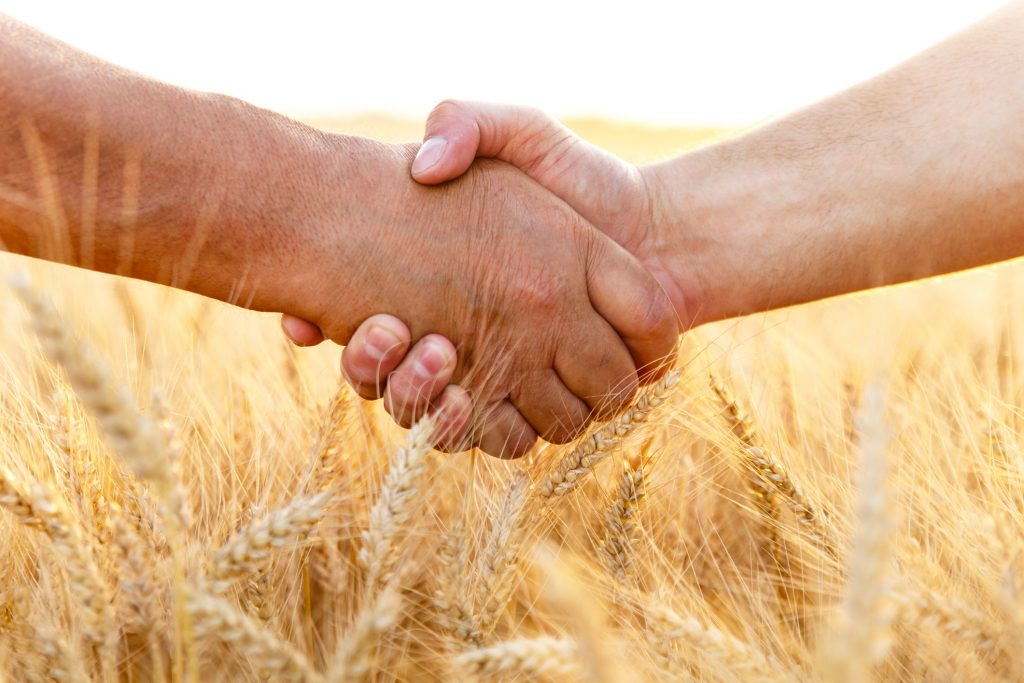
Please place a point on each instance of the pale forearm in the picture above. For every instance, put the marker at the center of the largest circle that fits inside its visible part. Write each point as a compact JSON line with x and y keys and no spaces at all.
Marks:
{"x":916,"y":173}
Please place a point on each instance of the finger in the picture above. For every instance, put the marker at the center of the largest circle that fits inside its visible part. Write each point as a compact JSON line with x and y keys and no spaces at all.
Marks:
{"x":504,"y":433}
{"x":376,"y":348}
{"x":453,"y":412}
{"x":301,"y":332}
{"x":635,"y":305}
{"x":419,"y":378}
{"x":554,"y":412}
{"x":599,"y":371}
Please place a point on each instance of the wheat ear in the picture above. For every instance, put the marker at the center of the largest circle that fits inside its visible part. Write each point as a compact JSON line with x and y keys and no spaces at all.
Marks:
{"x":454,"y":597}
{"x":523,"y":656}
{"x":763,"y":490}
{"x":500,"y":557}
{"x":174,"y":450}
{"x":952,"y":617}
{"x":251,"y":548}
{"x":329,"y":444}
{"x":394,"y":507}
{"x":620,"y":524}
{"x":134,"y":437}
{"x":216,"y":619}
{"x":724,"y":648}
{"x":776,"y":474}
{"x":862,"y":635}
{"x":138,"y":581}
{"x":354,"y":659}
{"x":59,"y":659}
{"x":16,"y":502}
{"x":573,"y":469}
{"x":84,"y":577}
{"x":130,"y":434}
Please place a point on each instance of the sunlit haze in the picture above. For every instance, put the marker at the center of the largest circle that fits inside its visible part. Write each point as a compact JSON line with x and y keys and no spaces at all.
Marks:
{"x":731,"y":62}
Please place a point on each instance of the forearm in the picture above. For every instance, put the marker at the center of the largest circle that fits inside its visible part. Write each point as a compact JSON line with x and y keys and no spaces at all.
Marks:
{"x":916,"y":173}
{"x":102,"y":168}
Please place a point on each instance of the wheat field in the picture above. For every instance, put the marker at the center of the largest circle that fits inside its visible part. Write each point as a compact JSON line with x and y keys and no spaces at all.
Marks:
{"x":832,"y":493}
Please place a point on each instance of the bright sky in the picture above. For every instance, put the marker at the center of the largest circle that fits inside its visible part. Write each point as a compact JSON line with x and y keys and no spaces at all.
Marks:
{"x":662,"y":61}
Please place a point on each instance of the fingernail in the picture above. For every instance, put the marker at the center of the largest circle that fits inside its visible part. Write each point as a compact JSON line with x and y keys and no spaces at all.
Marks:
{"x":430,"y":153}
{"x":380,"y":340}
{"x":431,"y":360}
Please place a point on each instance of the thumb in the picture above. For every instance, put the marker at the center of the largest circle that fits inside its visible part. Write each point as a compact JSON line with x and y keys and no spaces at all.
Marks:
{"x":458,"y":132}
{"x":600,"y":186}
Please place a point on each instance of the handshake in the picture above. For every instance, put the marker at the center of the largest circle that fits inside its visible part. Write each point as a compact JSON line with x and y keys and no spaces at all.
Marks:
{"x":523,"y":281}
{"x":538,"y":288}
{"x":520,"y":295}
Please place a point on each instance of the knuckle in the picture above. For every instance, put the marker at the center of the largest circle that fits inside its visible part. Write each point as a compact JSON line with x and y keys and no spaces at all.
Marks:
{"x":447,"y":108}
{"x":542,"y":294}
{"x":654,"y":318}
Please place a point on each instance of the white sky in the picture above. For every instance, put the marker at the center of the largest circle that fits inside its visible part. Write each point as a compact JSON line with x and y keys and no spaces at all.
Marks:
{"x":661,"y":61}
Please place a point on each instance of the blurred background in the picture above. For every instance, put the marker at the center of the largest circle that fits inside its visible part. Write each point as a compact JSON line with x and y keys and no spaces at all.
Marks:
{"x":725,"y":63}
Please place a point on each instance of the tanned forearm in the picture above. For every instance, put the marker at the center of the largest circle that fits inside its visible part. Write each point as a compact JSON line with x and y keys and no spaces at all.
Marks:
{"x":102,"y":168}
{"x":918,"y":172}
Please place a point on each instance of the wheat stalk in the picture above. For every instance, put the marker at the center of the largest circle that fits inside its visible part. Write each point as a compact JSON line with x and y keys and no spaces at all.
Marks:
{"x":620,"y":526}
{"x":216,"y":619}
{"x":394,"y":507}
{"x":863,"y":630}
{"x":354,"y":659}
{"x":84,"y":576}
{"x":60,"y":661}
{"x":544,"y":655}
{"x":573,"y":469}
{"x":499,"y":559}
{"x":709,"y":641}
{"x":454,"y":598}
{"x":16,"y":502}
{"x":248,"y":550}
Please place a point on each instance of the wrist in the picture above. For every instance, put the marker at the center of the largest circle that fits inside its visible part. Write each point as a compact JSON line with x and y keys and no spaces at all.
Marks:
{"x":720,"y":218}
{"x":339,"y":227}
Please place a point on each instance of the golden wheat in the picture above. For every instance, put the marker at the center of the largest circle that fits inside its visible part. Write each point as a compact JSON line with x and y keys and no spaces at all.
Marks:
{"x":254,"y":522}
